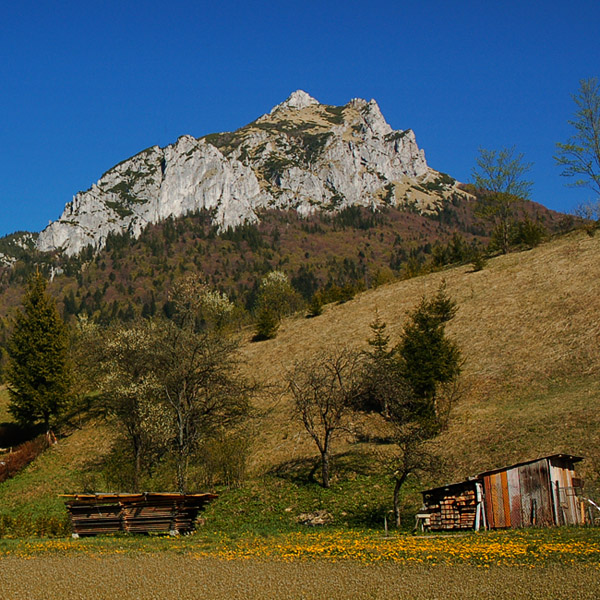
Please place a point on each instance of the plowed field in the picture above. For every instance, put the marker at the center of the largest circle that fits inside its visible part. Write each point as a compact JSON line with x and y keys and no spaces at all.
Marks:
{"x":166,"y":577}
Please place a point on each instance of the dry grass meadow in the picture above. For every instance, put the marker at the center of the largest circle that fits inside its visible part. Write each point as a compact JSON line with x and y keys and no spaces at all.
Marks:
{"x":529,"y":327}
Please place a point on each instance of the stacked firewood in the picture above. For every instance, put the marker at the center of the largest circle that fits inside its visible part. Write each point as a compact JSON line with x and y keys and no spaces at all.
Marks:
{"x":454,"y":511}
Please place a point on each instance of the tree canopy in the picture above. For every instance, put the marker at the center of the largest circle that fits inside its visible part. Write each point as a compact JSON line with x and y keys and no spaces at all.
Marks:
{"x":171,"y":384}
{"x":428,"y":357}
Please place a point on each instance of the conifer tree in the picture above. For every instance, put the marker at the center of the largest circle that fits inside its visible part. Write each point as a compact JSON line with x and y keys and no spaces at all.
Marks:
{"x":413,"y":386}
{"x":38,"y":372}
{"x":428,"y":357}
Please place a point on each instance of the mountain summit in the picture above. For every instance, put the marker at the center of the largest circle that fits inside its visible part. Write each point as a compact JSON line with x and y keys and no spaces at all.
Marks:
{"x":297,"y":100}
{"x":302,"y":156}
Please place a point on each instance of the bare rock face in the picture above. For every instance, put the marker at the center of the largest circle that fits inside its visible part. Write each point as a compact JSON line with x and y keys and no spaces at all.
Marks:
{"x":302,"y":155}
{"x":297,"y":100}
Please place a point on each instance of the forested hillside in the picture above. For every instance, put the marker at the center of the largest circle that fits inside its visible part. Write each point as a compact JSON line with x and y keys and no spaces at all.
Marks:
{"x":529,"y":334}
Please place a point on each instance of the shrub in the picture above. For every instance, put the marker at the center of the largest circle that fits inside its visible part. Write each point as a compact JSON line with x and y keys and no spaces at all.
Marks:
{"x":528,"y":233}
{"x":26,"y":525}
{"x":224,"y":460}
{"x":315,"y":308}
{"x":267,"y":324}
{"x":23,"y":454}
{"x":479,"y":261}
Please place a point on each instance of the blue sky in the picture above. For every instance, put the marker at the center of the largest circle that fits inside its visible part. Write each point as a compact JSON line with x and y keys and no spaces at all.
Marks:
{"x":85,"y":84}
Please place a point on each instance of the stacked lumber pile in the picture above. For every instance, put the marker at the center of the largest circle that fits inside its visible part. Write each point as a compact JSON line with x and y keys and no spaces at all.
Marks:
{"x":94,"y":514}
{"x":89,"y":518}
{"x":164,"y":513}
{"x":453,"y":511}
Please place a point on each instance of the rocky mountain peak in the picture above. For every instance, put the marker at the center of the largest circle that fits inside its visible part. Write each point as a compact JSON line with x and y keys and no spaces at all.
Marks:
{"x":297,"y":101}
{"x":302,"y":156}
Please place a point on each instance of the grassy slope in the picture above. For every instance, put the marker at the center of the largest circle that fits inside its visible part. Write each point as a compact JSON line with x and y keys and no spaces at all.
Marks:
{"x":4,"y":414}
{"x":529,"y":330}
{"x":528,"y":326}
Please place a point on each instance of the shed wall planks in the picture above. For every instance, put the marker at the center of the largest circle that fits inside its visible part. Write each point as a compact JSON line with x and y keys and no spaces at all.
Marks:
{"x":514,"y":495}
{"x":536,"y":499}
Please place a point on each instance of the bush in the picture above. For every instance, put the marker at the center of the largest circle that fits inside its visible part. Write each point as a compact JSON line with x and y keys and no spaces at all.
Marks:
{"x":267,"y":324}
{"x":23,"y":454}
{"x":528,"y":233}
{"x":315,"y":308}
{"x":224,"y":460}
{"x":26,"y":525}
{"x":479,"y":261}
{"x":276,"y":299}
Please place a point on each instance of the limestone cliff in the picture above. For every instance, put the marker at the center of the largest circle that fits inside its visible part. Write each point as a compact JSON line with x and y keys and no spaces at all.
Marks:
{"x":302,"y":155}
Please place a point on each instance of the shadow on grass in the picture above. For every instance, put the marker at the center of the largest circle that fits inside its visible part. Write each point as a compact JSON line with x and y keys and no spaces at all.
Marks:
{"x":308,"y":470}
{"x":12,"y":435}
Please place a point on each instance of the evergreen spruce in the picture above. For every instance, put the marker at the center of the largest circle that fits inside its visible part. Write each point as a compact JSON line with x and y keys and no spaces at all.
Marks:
{"x":38,"y":372}
{"x":267,"y":324}
{"x":315,"y":307}
{"x":413,"y":386}
{"x":428,"y":357}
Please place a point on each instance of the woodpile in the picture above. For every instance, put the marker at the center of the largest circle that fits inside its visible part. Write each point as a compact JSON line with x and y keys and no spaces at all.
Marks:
{"x":94,"y":514}
{"x":91,"y":519}
{"x":454,"y":511}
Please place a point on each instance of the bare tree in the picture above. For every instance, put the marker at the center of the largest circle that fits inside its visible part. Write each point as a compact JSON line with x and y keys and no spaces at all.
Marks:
{"x":324,"y":391}
{"x":202,"y":387}
{"x":580,"y":155}
{"x":500,"y":173}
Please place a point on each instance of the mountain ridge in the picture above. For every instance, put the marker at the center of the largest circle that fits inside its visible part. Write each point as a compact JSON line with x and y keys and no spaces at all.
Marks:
{"x":302,"y":155}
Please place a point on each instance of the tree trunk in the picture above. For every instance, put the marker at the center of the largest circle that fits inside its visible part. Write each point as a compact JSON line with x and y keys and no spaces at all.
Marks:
{"x":505,"y":238}
{"x":398,"y":485}
{"x":182,"y":470}
{"x":181,"y":453}
{"x":137,"y":466}
{"x":325,"y":469}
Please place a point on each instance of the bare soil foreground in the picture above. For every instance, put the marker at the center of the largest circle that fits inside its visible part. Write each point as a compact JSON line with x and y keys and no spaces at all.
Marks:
{"x":164,"y":577}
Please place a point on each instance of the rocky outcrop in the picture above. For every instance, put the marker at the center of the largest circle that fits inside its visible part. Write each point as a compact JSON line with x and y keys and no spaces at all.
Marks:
{"x":302,"y":155}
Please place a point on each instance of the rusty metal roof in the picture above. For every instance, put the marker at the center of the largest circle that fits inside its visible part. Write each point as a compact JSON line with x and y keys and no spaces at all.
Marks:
{"x":528,"y":462}
{"x":474,"y":478}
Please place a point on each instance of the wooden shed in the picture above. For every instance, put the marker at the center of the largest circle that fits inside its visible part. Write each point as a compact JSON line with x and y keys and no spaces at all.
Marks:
{"x":541,"y":492}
